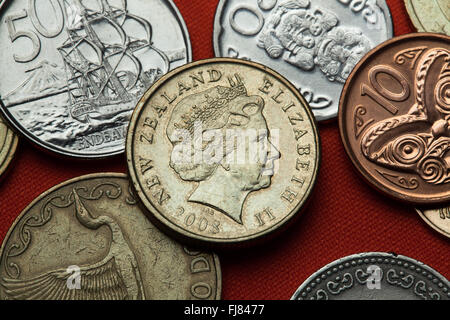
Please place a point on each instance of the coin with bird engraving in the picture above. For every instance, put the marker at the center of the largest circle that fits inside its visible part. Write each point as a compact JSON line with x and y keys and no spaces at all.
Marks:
{"x":223,"y":152}
{"x":8,"y":145}
{"x":437,"y":218}
{"x":88,"y":239}
{"x":76,"y":68}
{"x":313,"y":43}
{"x":394,"y":118}
{"x":375,"y":276}
{"x":430,"y":15}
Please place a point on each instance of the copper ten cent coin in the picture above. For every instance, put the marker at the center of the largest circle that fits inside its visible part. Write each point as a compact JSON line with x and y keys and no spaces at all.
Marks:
{"x":8,"y":145}
{"x":395,"y":118}
{"x":87,"y":239}
{"x":223,"y":151}
{"x":437,"y":218}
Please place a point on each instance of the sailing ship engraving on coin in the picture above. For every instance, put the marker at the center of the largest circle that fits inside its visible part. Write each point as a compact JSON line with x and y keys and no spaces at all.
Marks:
{"x":315,"y":44}
{"x":81,"y":66}
{"x":88,"y":239}
{"x":437,"y":218}
{"x":205,"y":156}
{"x":8,"y":145}
{"x":430,"y":15}
{"x":375,"y":276}
{"x":394,"y":118}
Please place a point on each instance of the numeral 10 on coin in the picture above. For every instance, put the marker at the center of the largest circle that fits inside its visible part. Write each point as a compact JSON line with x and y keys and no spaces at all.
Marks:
{"x":382,"y":95}
{"x":31,"y":12}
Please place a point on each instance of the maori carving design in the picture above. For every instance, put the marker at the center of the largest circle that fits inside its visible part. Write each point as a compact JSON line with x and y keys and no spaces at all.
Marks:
{"x":419,"y":141}
{"x":341,"y":284}
{"x":362,"y":276}
{"x":321,"y":295}
{"x":401,"y":279}
{"x":308,"y":38}
{"x":409,"y":54}
{"x":425,"y":293}
{"x":315,"y":101}
{"x":359,"y":123}
{"x":400,"y":181}
{"x":131,"y":198}
{"x":347,"y":276}
{"x":406,"y":281}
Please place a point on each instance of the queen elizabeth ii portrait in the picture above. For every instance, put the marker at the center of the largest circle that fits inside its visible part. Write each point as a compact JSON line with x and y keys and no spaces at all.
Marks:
{"x":223,"y":184}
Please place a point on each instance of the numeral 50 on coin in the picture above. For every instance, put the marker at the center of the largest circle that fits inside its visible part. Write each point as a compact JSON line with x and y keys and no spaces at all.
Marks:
{"x":14,"y":34}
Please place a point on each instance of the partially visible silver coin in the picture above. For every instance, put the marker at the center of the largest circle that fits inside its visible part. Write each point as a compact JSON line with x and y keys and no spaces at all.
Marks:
{"x":73,"y":70}
{"x":374,"y":276}
{"x":313,"y":43}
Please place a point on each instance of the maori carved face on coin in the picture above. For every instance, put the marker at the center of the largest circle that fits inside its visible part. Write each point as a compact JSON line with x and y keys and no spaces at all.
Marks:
{"x":78,"y":67}
{"x":87,"y":239}
{"x":315,"y":44}
{"x":222,"y":151}
{"x":395,"y":118}
{"x":309,"y":38}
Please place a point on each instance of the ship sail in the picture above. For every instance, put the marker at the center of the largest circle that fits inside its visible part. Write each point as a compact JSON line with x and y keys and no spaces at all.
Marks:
{"x":103,"y":67}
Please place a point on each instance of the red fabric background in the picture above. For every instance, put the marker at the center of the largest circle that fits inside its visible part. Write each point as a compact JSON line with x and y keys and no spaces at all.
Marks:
{"x":345,"y":215}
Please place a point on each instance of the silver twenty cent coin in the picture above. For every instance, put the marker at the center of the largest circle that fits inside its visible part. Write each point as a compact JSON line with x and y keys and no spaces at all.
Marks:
{"x":313,"y":43}
{"x":375,"y":276}
{"x":73,"y":70}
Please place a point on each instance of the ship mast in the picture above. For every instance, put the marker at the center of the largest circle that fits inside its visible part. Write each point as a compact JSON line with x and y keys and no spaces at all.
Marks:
{"x":121,"y":92}
{"x":87,"y":85}
{"x":96,"y":84}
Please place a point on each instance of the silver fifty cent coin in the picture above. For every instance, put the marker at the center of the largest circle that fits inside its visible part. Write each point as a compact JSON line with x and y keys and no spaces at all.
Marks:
{"x":313,"y":43}
{"x":374,"y":276}
{"x":73,"y":70}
